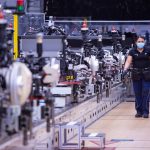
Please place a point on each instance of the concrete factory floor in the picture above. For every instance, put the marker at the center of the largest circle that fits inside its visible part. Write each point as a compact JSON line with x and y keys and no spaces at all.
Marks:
{"x":123,"y":131}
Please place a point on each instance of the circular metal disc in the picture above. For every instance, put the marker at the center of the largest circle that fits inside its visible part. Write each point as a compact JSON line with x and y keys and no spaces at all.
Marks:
{"x":20,"y":83}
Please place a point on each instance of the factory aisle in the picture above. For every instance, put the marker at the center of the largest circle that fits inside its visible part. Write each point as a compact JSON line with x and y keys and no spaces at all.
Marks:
{"x":123,"y":130}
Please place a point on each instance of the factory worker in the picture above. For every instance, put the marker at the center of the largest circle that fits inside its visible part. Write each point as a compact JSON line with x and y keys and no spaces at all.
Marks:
{"x":139,"y":57}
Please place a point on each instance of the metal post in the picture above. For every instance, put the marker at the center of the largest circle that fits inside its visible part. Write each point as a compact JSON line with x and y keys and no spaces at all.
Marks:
{"x":25,"y":136}
{"x":15,"y":36}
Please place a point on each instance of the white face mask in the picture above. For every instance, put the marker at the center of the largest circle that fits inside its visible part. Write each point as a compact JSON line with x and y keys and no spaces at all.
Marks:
{"x":140,"y":45}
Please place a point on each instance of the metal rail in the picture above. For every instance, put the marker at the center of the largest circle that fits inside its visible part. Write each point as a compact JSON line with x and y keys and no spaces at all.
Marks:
{"x":104,"y":21}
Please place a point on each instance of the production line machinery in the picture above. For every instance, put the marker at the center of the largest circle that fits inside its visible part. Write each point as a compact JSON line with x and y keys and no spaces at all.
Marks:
{"x":13,"y":93}
{"x":31,"y":84}
{"x":23,"y":81}
{"x":90,"y":70}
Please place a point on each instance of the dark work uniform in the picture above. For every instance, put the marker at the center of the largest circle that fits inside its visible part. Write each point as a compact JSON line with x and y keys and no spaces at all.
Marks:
{"x":141,"y":84}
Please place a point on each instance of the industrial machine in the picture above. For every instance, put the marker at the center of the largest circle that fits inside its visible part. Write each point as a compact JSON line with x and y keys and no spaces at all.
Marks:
{"x":16,"y":82}
{"x":37,"y":87}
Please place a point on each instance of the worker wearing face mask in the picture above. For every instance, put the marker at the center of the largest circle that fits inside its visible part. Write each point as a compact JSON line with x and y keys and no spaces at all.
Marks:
{"x":139,"y":57}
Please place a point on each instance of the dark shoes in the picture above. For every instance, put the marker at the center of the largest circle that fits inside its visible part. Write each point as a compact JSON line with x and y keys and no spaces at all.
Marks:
{"x":138,"y":115}
{"x":144,"y":116}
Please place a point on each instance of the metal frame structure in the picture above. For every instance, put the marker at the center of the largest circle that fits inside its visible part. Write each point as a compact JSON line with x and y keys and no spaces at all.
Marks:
{"x":86,"y":113}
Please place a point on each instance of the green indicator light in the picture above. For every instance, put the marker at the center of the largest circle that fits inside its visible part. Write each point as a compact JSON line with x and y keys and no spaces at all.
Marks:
{"x":20,"y":8}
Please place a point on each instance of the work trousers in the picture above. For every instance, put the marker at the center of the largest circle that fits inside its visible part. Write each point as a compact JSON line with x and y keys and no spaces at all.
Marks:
{"x":142,"y":96}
